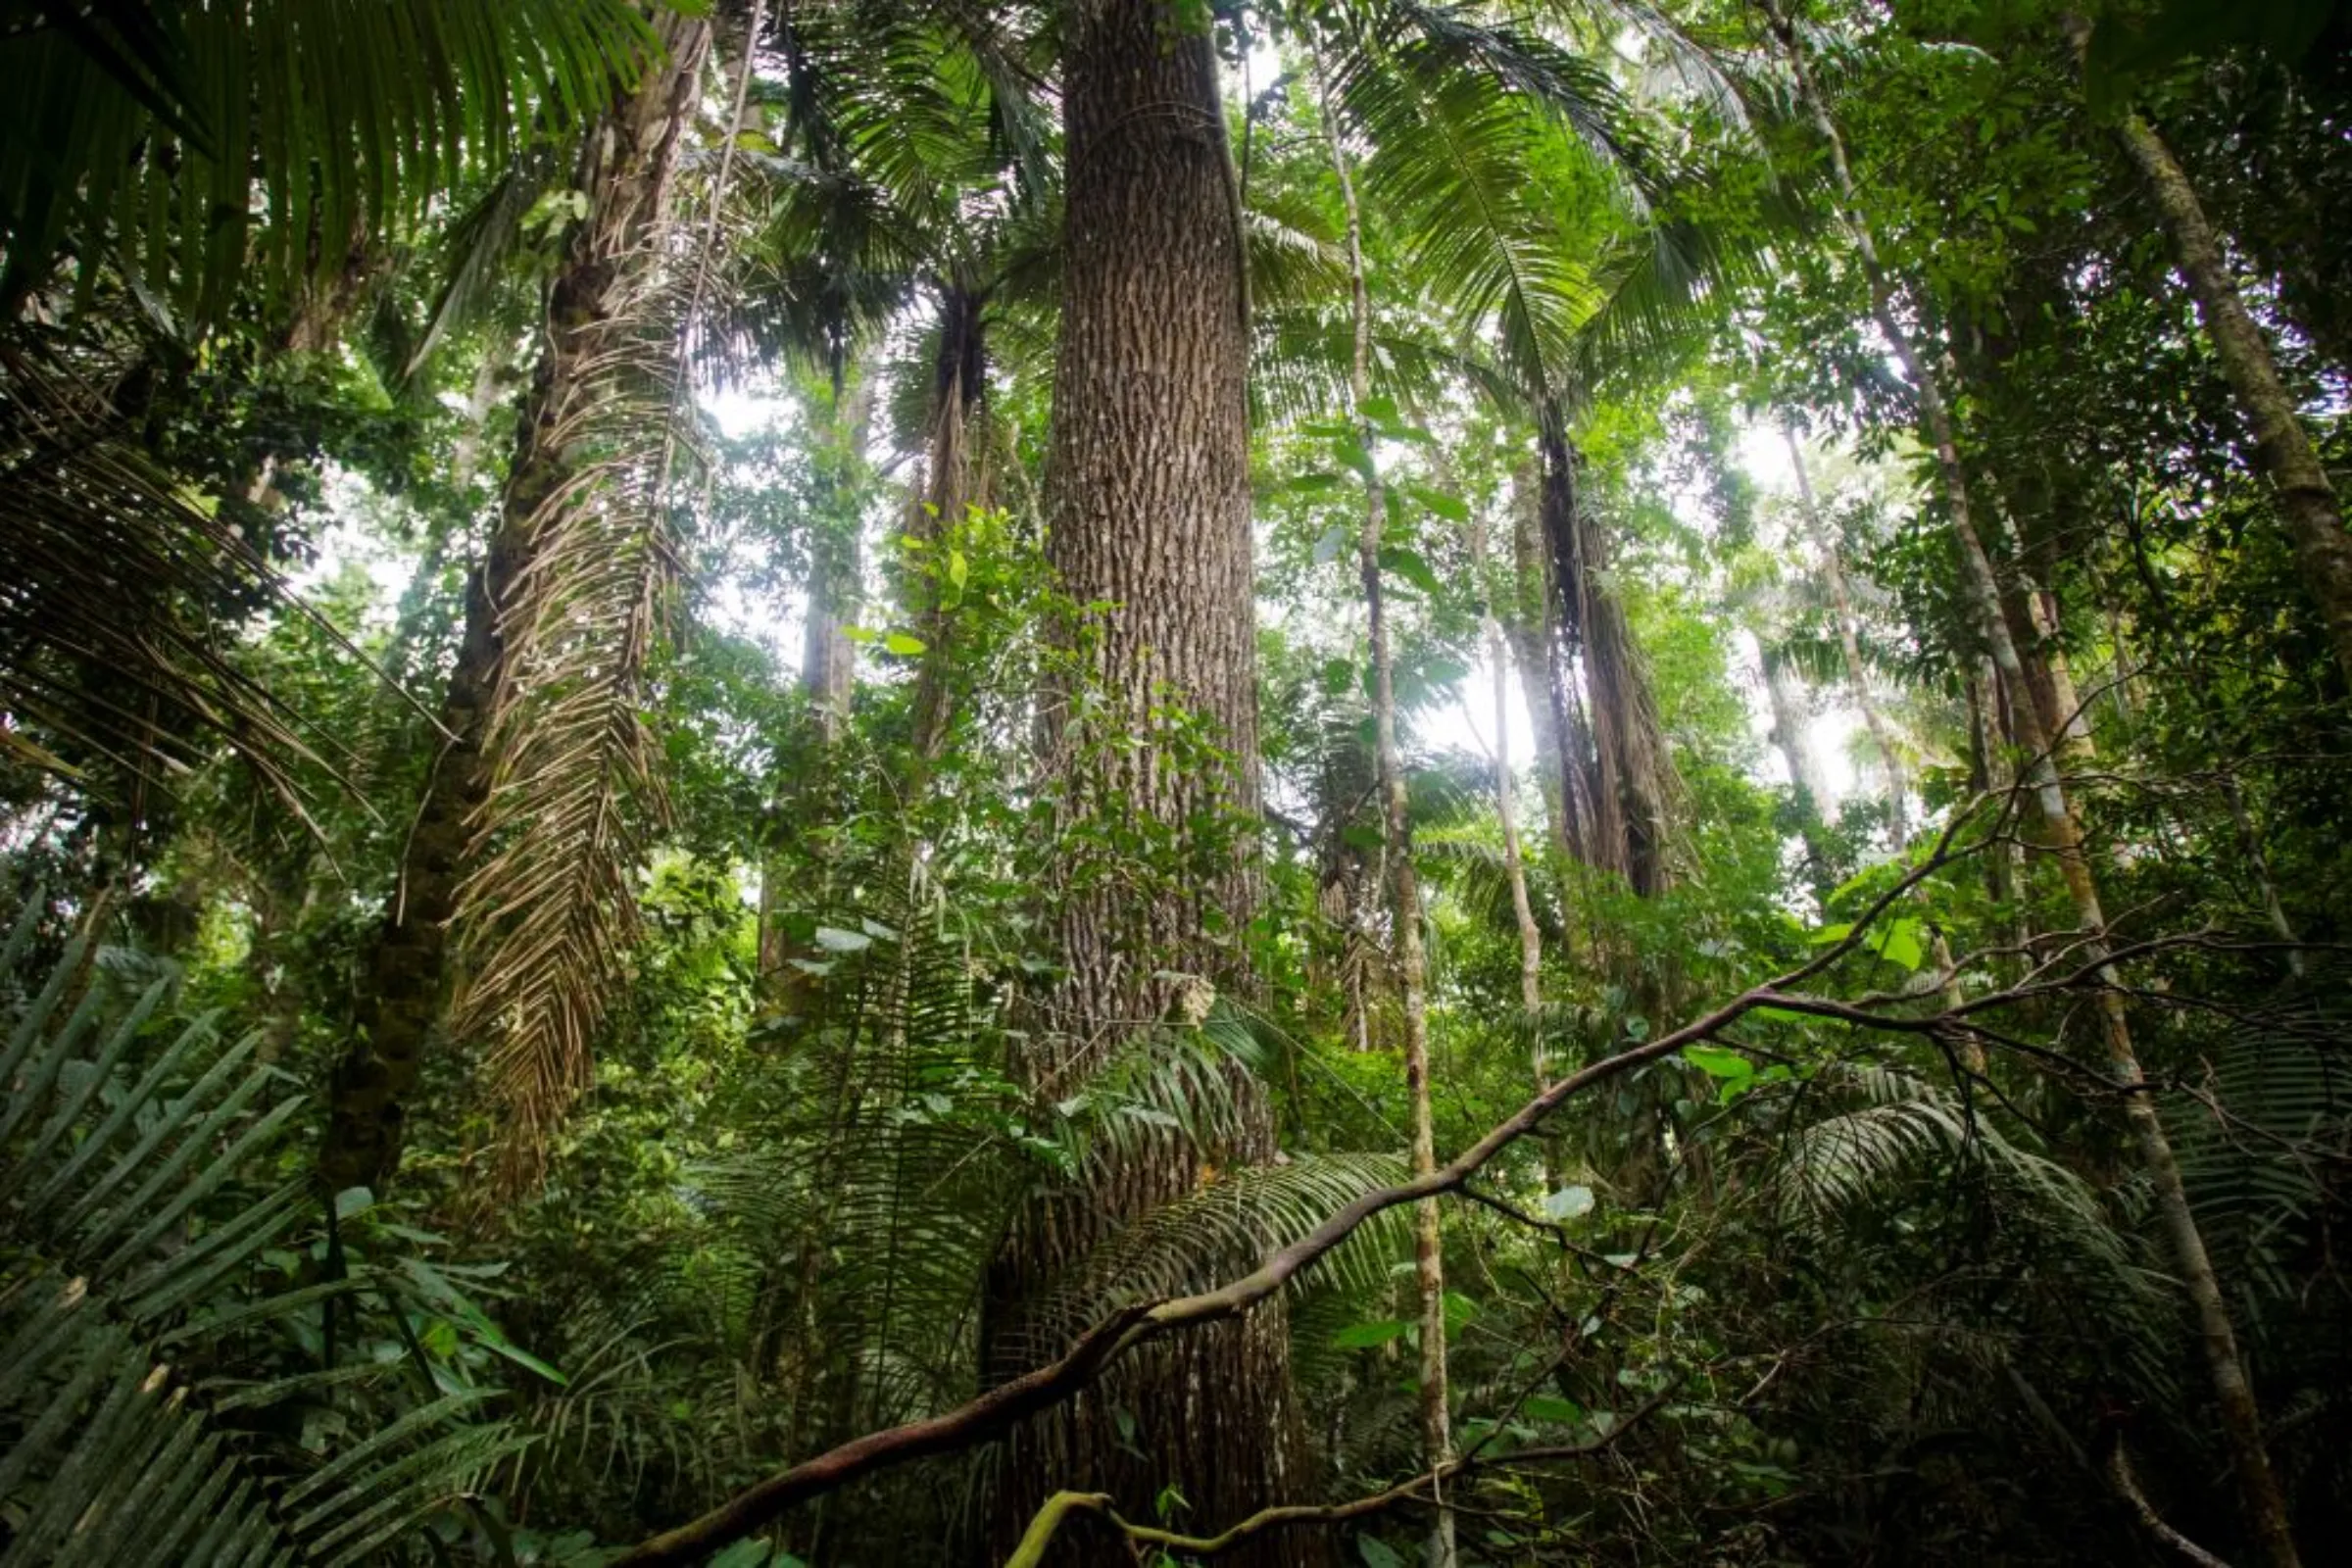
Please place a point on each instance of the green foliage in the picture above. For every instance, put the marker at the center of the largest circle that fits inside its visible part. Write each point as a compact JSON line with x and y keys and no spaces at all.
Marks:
{"x":153,"y":1411}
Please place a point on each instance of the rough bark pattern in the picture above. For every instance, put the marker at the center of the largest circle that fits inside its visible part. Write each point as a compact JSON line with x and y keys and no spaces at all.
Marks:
{"x":2308,"y":506}
{"x":952,"y":481}
{"x":1148,"y":510}
{"x":2240,"y":1417}
{"x":625,"y":171}
{"x":1529,"y":626}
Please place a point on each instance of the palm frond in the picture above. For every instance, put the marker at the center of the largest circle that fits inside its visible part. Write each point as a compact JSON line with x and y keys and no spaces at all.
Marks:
{"x":118,"y":581}
{"x":190,"y":144}
{"x":1232,"y":1220}
{"x":549,"y":915}
{"x":132,"y":1238}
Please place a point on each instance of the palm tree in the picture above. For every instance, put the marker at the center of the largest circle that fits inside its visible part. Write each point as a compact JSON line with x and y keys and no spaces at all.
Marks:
{"x":539,"y":717}
{"x":2240,"y":1417}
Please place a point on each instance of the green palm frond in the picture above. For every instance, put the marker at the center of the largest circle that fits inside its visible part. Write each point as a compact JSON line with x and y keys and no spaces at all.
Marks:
{"x":192,"y":143}
{"x":2259,"y":1146}
{"x":1902,"y":1123}
{"x":1468,"y":175}
{"x":1229,"y":1222}
{"x":133,"y":1242}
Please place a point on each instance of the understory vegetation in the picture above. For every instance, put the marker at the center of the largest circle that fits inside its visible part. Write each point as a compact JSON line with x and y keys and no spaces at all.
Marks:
{"x":1326,"y":782}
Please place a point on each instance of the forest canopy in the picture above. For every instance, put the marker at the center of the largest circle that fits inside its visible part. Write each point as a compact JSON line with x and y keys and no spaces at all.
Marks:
{"x":1328,"y":782}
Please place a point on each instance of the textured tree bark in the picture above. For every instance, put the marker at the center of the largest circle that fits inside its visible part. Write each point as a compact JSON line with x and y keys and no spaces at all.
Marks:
{"x":1412,"y":958}
{"x":1147,"y":512}
{"x":1536,"y":650}
{"x":1849,"y":643}
{"x":952,"y":483}
{"x":2308,"y":506}
{"x":2263,"y":1504}
{"x":625,"y":171}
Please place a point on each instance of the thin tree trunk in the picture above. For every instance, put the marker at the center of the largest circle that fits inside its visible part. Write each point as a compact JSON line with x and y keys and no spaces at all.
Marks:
{"x":1850,"y":642}
{"x":625,"y":173}
{"x":2308,"y":505}
{"x":1412,"y":958}
{"x":1784,"y":690}
{"x":2241,"y":1417}
{"x":1147,"y":512}
{"x":1507,"y":811}
{"x":828,"y":658}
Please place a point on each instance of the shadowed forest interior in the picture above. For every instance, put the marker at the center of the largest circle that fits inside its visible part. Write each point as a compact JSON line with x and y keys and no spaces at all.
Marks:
{"x":1057,"y":782}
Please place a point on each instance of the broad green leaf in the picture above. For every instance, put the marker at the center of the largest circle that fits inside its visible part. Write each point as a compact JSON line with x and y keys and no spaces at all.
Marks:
{"x":1717,"y":1062}
{"x":1900,"y":944}
{"x":904,"y":645}
{"x":1412,"y":566}
{"x":833,"y":939}
{"x":1364,"y":1335}
{"x":1454,"y":509}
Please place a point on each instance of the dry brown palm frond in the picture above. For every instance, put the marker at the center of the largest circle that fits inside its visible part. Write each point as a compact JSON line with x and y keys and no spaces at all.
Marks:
{"x":549,"y":914}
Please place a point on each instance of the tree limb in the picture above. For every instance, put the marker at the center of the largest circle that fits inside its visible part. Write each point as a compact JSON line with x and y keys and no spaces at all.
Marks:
{"x":1001,"y":1408}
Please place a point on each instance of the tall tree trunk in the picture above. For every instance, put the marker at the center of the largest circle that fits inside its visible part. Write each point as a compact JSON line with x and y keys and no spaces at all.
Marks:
{"x":1529,"y":626}
{"x":2308,"y":506}
{"x":1148,"y":511}
{"x":1785,"y":691}
{"x":836,"y":565}
{"x":1631,"y":777}
{"x":1507,"y":811}
{"x":625,"y":171}
{"x":950,"y":486}
{"x":2241,"y":1418}
{"x":1849,"y":643}
{"x":1412,"y":958}
{"x":828,"y":658}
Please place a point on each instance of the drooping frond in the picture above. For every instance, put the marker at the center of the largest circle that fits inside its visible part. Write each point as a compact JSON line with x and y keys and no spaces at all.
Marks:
{"x":132,"y":1238}
{"x":118,"y":581}
{"x":1227,"y":1225}
{"x":549,"y":915}
{"x":1472,"y":133}
{"x":191,"y":143}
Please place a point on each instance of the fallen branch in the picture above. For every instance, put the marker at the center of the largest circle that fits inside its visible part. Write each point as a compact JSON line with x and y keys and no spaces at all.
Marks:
{"x":1058,"y":1508}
